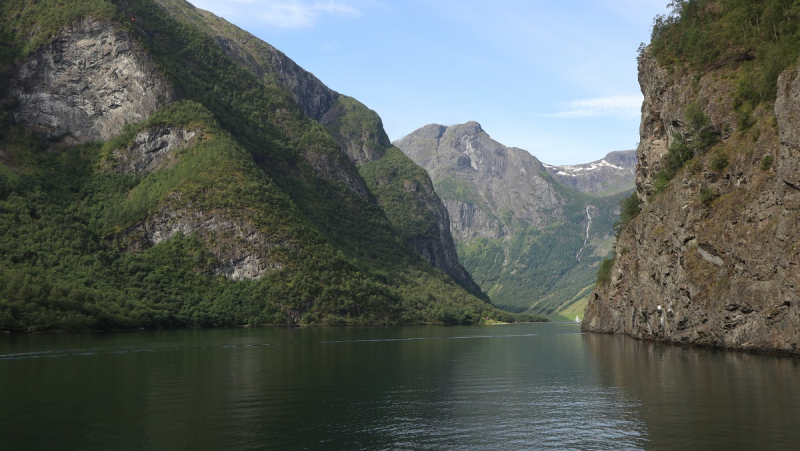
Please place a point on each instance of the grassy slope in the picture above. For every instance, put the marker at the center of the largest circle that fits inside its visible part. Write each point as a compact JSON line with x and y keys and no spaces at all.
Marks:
{"x":58,"y":270}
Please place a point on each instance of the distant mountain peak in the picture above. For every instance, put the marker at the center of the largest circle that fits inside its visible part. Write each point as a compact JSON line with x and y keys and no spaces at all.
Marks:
{"x":470,"y":127}
{"x":529,"y":241}
{"x":611,"y":174}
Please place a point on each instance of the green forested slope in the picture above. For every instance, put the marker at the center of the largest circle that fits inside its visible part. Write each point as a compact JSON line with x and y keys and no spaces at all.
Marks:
{"x":761,"y":37}
{"x":66,"y":262}
{"x":539,"y":270}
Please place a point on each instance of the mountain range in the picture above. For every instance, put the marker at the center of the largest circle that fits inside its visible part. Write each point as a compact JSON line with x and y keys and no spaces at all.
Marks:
{"x":612,"y":174}
{"x":531,"y":234}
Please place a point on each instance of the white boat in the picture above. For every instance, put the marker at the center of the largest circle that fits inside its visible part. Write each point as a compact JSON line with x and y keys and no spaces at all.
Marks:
{"x":577,"y":318}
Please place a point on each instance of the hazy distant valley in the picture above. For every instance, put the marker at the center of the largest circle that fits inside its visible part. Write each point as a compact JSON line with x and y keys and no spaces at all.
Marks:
{"x":531,"y":234}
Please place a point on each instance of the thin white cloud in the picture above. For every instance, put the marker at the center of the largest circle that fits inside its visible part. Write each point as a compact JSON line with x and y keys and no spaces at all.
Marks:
{"x":282,"y":13}
{"x":614,"y":106}
{"x":639,"y":12}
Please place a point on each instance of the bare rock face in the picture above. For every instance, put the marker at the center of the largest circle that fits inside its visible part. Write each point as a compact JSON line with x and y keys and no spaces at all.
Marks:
{"x":241,"y":250}
{"x":713,"y":259}
{"x":90,"y":82}
{"x":153,"y":149}
{"x":666,"y":97}
{"x":479,"y":179}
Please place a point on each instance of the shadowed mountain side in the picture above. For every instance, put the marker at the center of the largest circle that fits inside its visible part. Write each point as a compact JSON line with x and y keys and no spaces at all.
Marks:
{"x":397,"y":185}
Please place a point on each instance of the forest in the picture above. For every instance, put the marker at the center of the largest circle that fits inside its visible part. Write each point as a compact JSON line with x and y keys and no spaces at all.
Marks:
{"x":67,"y":261}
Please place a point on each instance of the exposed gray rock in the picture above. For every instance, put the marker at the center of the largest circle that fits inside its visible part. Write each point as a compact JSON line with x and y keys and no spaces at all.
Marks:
{"x":666,"y":97}
{"x":612,"y":174}
{"x":480,"y":179}
{"x":153,"y":149}
{"x":722,"y":273}
{"x":241,"y":250}
{"x":86,"y":85}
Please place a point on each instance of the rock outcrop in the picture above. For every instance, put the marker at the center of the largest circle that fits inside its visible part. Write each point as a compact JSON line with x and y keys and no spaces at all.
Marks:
{"x":241,"y":250}
{"x":479,"y":179}
{"x":86,"y":85}
{"x":153,"y":149}
{"x":610,"y":175}
{"x":712,"y":259}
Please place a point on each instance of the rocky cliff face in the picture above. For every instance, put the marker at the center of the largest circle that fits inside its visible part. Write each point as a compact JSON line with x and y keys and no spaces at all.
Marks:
{"x":241,"y":250}
{"x":610,"y":175}
{"x":530,"y":242}
{"x":153,"y":149}
{"x":481,"y":180}
{"x":90,"y":82}
{"x":87,"y":85}
{"x":712,"y":259}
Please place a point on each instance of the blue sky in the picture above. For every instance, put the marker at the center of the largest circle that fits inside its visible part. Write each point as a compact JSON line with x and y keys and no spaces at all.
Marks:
{"x":556,"y":78}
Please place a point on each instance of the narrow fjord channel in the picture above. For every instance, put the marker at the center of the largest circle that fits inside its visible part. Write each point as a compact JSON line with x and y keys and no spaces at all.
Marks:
{"x":527,"y":386}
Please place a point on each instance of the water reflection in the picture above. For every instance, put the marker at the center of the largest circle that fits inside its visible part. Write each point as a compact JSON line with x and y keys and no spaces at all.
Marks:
{"x":514,"y":387}
{"x":703,"y":398}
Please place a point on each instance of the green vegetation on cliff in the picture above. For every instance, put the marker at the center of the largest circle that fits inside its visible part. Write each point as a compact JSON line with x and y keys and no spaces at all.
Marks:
{"x":701,"y":35}
{"x":70,"y":256}
{"x":699,"y":137}
{"x":394,"y":179}
{"x":544,"y":270}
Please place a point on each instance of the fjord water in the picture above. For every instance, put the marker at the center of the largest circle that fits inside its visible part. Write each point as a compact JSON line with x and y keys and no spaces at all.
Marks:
{"x":527,"y":386}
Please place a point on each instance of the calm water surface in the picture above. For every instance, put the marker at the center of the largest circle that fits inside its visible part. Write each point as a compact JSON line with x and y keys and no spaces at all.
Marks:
{"x":530,"y":386}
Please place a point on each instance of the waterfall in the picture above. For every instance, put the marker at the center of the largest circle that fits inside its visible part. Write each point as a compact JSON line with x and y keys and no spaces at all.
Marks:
{"x":588,"y":226}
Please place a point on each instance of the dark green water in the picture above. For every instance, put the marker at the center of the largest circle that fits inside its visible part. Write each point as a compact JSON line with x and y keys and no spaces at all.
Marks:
{"x":532,"y":386}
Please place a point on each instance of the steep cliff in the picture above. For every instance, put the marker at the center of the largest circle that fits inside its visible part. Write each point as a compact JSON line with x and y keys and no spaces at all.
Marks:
{"x":87,"y":84}
{"x":530,"y":242}
{"x":712,"y":258}
{"x":150,"y":176}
